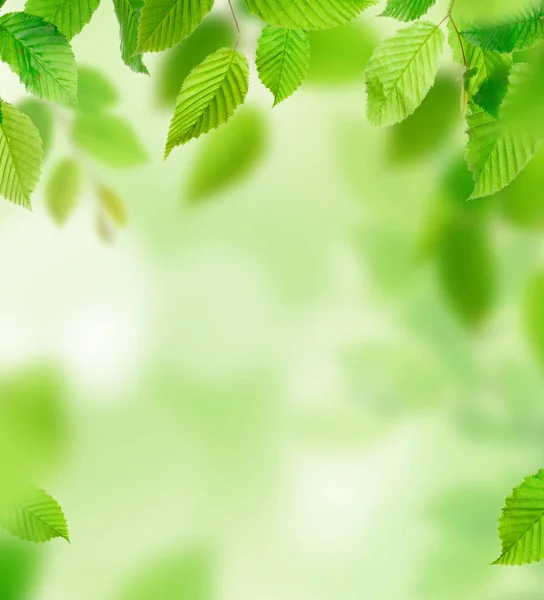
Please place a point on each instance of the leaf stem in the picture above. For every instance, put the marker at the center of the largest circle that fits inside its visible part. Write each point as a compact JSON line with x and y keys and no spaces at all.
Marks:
{"x":235,"y":19}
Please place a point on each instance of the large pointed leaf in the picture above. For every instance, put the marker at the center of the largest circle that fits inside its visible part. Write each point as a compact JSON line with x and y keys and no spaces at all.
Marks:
{"x":302,"y":14}
{"x":209,"y":96}
{"x":283,"y":58}
{"x":164,"y":23}
{"x":128,"y":14}
{"x":35,"y":517}
{"x":21,"y":155}
{"x":40,"y":55}
{"x":407,"y":10}
{"x":401,"y":71}
{"x":521,"y":526}
{"x":70,"y":16}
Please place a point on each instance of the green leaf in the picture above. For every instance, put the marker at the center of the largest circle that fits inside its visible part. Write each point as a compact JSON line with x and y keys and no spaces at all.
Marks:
{"x":40,"y":55}
{"x":401,"y":71}
{"x":164,"y":23}
{"x":35,"y":517}
{"x":521,"y":523}
{"x":70,"y":16}
{"x":407,"y":10}
{"x":96,"y":92}
{"x":533,"y":316}
{"x":128,"y":15}
{"x":209,"y":96}
{"x":42,"y":116}
{"x":466,"y":269}
{"x":181,"y":60}
{"x":109,"y":139}
{"x":523,"y":31}
{"x":283,"y":58}
{"x":299,"y":14}
{"x":229,"y":154}
{"x":21,"y":155}
{"x":113,"y":205}
{"x":63,"y":189}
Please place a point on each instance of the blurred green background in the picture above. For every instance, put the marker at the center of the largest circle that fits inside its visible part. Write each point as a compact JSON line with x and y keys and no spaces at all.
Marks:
{"x":306,"y":369}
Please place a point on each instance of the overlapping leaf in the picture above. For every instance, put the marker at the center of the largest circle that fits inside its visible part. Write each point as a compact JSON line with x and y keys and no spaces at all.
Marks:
{"x":40,"y":55}
{"x":164,"y":23}
{"x":407,"y":10}
{"x":209,"y":96}
{"x":283,"y":58}
{"x":521,"y":526}
{"x":301,"y":14}
{"x":21,"y":155}
{"x":35,"y":517}
{"x":70,"y":16}
{"x":401,"y":71}
{"x":128,"y":15}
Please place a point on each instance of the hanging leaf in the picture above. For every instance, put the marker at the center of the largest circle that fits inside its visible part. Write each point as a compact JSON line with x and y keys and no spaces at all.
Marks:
{"x":209,"y":96}
{"x":95,"y":92}
{"x":35,"y":517}
{"x":397,"y":87}
{"x":298,"y":14}
{"x":407,"y":10}
{"x":63,"y":189}
{"x":283,"y":58}
{"x":113,"y":205}
{"x":21,"y":155}
{"x":42,"y":116}
{"x":37,"y":52}
{"x":521,"y":523}
{"x":128,"y":15}
{"x":70,"y":16}
{"x":109,"y":139}
{"x":229,"y":154}
{"x":164,"y":23}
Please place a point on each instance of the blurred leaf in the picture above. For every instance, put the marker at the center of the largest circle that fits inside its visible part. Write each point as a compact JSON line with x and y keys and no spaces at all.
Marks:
{"x":104,"y":229}
{"x":128,"y":14}
{"x":21,"y":155}
{"x":42,"y":117}
{"x":186,"y":575}
{"x":520,"y":525}
{"x":95,"y":91}
{"x":177,"y":63}
{"x":41,"y":56}
{"x":401,"y":71}
{"x":113,"y":205}
{"x":70,"y":16}
{"x":229,"y":154}
{"x":534,"y":315}
{"x":466,"y":270}
{"x":164,"y":23}
{"x":427,"y":130}
{"x":35,"y":517}
{"x":283,"y":57}
{"x":18,"y":562}
{"x":109,"y":139}
{"x":339,"y":55}
{"x":209,"y":97}
{"x":63,"y":189}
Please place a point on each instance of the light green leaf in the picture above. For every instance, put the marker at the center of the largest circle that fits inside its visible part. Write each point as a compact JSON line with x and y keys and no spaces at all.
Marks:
{"x":21,"y":155}
{"x":401,"y":71}
{"x":63,"y":189}
{"x":521,"y":523}
{"x":209,"y":96}
{"x":35,"y":517}
{"x":164,"y":23}
{"x":533,"y":316}
{"x":229,"y":154}
{"x":283,"y":58}
{"x":407,"y":10}
{"x":42,"y":116}
{"x":70,"y":16}
{"x":300,"y":14}
{"x":113,"y":205}
{"x":524,"y":30}
{"x":96,"y":92}
{"x":109,"y":139}
{"x":40,"y":55}
{"x":128,"y":15}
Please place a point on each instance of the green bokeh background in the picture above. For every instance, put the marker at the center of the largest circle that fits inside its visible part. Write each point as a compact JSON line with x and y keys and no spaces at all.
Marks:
{"x":295,"y":390}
